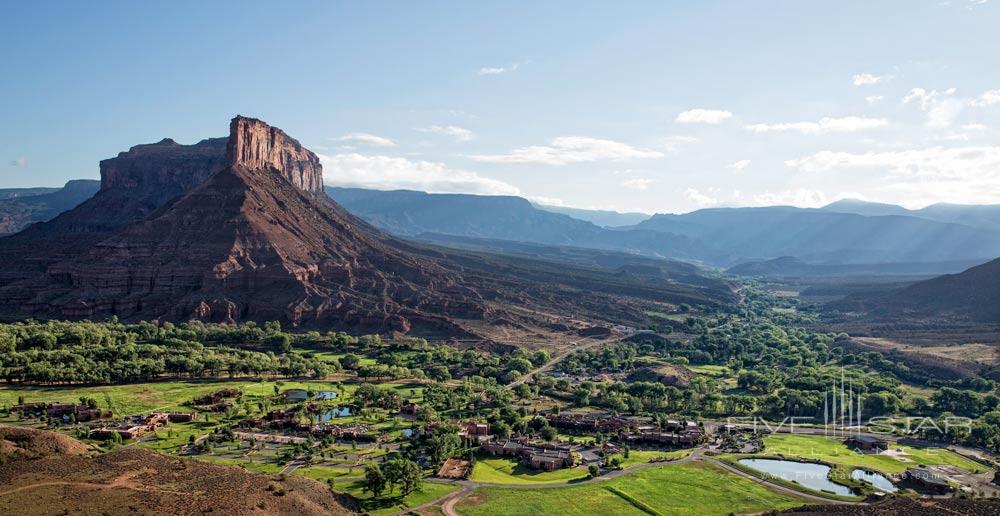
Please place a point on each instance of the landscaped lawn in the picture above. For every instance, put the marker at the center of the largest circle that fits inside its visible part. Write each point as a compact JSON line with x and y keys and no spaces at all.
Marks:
{"x":691,"y":488}
{"x":501,"y":470}
{"x":636,"y":457}
{"x":836,"y":452}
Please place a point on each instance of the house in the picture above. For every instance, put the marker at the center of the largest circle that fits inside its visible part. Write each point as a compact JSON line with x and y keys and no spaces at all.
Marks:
{"x":182,"y":417}
{"x":867,"y":443}
{"x":550,"y":460}
{"x":469,"y":430}
{"x":216,"y":397}
{"x":545,"y":456}
{"x":927,"y":480}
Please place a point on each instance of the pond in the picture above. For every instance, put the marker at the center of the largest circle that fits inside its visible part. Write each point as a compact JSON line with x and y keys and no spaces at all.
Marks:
{"x":326,"y":395}
{"x":808,"y":474}
{"x":296,"y":395}
{"x":334,"y":413}
{"x":407,"y":432}
{"x":880,"y":482}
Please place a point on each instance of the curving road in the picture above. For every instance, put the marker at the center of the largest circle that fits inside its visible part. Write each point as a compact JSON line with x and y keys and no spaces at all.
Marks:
{"x":562,"y":355}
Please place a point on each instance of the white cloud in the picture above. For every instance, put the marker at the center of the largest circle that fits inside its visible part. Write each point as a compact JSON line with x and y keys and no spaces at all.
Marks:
{"x":699,"y":198}
{"x":458,"y":133}
{"x":972,"y":165}
{"x":864,"y":79}
{"x":637,"y":183}
{"x":20,"y":162}
{"x":942,"y":110}
{"x":845,"y":124}
{"x":571,"y":149}
{"x":498,"y":70}
{"x":673,"y":144}
{"x":874,"y":99}
{"x":739,"y":165}
{"x":801,"y":197}
{"x":974,"y":127}
{"x":702,"y":116}
{"x":386,"y":173}
{"x":927,"y":98}
{"x":987,"y":99}
{"x":365,"y":139}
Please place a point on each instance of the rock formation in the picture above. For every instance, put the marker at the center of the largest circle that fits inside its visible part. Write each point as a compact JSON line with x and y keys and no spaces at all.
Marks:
{"x":251,"y":236}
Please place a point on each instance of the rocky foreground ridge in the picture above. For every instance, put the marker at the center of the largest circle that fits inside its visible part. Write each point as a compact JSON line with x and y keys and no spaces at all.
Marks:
{"x":238,"y":228}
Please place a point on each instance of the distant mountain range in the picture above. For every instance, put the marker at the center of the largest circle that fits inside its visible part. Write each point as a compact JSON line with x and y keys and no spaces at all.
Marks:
{"x":845,"y":237}
{"x":981,"y":216}
{"x":603,"y":218}
{"x":723,"y":236}
{"x":823,"y":236}
{"x":21,"y":207}
{"x":410,"y":213}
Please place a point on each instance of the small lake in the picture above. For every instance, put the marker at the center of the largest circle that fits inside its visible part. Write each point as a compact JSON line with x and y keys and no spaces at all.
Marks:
{"x":335,"y":413}
{"x":807,"y":474}
{"x":326,"y":395}
{"x":881,"y":483}
{"x":407,"y":432}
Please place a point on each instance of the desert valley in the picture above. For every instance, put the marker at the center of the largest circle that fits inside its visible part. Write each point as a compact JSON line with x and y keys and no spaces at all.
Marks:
{"x":599,"y":278}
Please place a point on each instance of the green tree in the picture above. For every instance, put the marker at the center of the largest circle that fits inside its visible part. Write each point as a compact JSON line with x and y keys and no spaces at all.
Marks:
{"x":375,"y":480}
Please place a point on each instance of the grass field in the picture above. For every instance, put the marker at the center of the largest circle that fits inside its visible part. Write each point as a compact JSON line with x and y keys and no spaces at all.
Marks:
{"x":500,"y":470}
{"x":835,"y":452}
{"x":689,"y":488}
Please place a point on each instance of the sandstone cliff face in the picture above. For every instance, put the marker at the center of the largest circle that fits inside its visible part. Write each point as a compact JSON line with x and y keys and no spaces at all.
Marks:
{"x":166,"y":166}
{"x":255,"y":145}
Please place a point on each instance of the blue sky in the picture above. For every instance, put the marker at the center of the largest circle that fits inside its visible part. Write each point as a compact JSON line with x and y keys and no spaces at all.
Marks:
{"x":647,"y":106}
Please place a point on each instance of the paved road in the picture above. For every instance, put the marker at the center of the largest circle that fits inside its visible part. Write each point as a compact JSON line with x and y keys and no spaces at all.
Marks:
{"x":561,"y":355}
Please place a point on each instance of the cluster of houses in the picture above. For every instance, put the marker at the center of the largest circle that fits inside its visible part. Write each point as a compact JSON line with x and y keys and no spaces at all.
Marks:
{"x":672,"y":433}
{"x":217,"y":401}
{"x":631,"y":429}
{"x":65,"y":412}
{"x":543,"y":456}
{"x":137,"y":426}
{"x":288,"y":420}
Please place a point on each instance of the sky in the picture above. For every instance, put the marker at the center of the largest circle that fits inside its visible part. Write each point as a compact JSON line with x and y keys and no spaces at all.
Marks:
{"x":657,"y":107}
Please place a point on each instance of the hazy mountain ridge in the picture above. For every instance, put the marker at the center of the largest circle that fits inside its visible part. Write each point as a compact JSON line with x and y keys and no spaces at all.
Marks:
{"x":21,"y":207}
{"x":973,"y":294}
{"x":603,"y":218}
{"x":411,"y":213}
{"x":985,"y":216}
{"x":820,"y":236}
